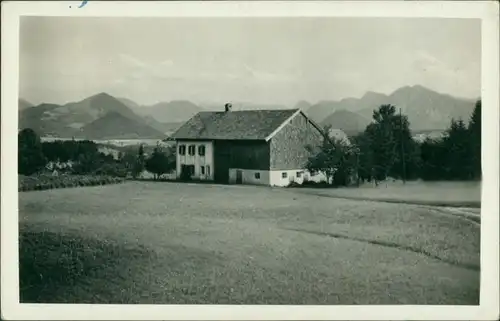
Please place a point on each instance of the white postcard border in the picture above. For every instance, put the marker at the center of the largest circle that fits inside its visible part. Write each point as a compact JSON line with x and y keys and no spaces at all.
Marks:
{"x":487,"y":11}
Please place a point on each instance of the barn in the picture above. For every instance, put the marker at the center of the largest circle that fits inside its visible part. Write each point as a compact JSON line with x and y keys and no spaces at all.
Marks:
{"x":264,"y":147}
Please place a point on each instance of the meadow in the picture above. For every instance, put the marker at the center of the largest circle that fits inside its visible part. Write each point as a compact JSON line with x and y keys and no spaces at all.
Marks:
{"x":175,"y":243}
{"x":452,"y":194}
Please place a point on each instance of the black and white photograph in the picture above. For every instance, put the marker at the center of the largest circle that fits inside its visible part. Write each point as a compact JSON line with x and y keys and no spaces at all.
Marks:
{"x":251,"y":160}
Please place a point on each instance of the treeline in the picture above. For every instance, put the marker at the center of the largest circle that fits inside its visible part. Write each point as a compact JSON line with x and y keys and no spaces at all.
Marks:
{"x":84,"y":158}
{"x":386,"y":149}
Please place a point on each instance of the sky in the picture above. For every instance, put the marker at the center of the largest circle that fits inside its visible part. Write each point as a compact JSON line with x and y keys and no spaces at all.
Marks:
{"x":259,"y":60}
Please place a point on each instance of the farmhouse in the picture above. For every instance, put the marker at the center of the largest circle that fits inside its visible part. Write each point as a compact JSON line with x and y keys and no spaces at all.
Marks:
{"x":265,"y":147}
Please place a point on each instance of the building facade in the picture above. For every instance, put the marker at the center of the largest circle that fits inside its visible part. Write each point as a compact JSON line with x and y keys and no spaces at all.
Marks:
{"x":263,"y":147}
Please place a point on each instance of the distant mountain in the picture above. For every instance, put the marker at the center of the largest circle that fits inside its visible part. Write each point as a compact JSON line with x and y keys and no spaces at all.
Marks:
{"x":349,"y":122}
{"x":115,"y":125}
{"x":303,"y":105}
{"x":241,"y":105}
{"x":129,"y":103}
{"x":256,"y":106}
{"x":77,"y":114}
{"x":170,"y":112}
{"x":69,"y":120}
{"x":23,"y":104}
{"x":425,"y":108}
{"x":163,"y":127}
{"x":319,"y":111}
{"x":40,"y":119}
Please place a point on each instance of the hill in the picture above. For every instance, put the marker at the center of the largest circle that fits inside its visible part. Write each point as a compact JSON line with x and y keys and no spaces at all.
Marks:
{"x":255,"y":106}
{"x":425,"y":108}
{"x":240,"y":105}
{"x":170,"y":112}
{"x":23,"y":104}
{"x":40,"y":119}
{"x":349,"y":122}
{"x":319,"y":111}
{"x":164,"y":127}
{"x":115,"y":125}
{"x":303,"y":105}
{"x":68,"y":120}
{"x":129,"y":103}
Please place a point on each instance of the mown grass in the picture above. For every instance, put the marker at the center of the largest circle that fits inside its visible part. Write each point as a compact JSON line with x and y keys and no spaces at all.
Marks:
{"x":144,"y":242}
{"x":452,"y":194}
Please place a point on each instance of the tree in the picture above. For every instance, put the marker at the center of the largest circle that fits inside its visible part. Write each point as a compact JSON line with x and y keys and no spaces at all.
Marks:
{"x":386,"y":147}
{"x":475,"y":141}
{"x":139,"y":163}
{"x":380,"y":134}
{"x":433,"y":159}
{"x":86,"y":163}
{"x":334,"y":158}
{"x":364,"y":157}
{"x":30,"y":153}
{"x":458,"y":155}
{"x":160,"y":162}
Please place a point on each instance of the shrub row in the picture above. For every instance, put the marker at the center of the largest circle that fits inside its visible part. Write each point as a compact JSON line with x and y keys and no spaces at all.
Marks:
{"x":44,"y":182}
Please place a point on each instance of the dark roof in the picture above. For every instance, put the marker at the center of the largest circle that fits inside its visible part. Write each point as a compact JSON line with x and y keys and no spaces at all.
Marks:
{"x":233,"y":125}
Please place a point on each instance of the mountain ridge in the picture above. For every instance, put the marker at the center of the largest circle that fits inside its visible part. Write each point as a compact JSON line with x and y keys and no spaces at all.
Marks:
{"x":115,"y":125}
{"x":426,"y":109}
{"x":70,"y":119}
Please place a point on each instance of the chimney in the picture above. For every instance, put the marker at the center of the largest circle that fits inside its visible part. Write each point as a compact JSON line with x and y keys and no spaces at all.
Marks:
{"x":228,"y":107}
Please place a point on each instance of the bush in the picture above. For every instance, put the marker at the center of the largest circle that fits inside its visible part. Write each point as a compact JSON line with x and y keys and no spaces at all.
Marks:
{"x":294,"y":184}
{"x":45,"y":182}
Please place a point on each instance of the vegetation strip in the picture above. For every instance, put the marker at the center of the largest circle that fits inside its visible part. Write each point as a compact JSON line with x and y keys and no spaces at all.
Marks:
{"x":46,"y":182}
{"x":471,"y":267}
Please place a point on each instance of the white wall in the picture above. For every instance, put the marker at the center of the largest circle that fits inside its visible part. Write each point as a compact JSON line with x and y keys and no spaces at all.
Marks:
{"x":273,"y":178}
{"x":276,"y":177}
{"x":278,"y":180}
{"x":196,"y":160}
{"x":248,"y":176}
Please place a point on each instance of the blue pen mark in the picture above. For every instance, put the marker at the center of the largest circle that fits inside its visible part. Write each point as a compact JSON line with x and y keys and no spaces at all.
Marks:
{"x":84,"y":2}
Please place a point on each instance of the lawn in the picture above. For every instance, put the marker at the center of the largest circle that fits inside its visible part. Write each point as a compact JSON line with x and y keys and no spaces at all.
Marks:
{"x":157,"y":242}
{"x":455,"y":194}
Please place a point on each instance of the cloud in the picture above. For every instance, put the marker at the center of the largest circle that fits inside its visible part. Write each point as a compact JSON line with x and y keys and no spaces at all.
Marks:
{"x":266,"y":76}
{"x":131,"y":61}
{"x":167,"y":62}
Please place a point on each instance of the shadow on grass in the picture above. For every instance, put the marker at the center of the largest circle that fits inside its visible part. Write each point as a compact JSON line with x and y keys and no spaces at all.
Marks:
{"x":50,"y":262}
{"x":472,"y":267}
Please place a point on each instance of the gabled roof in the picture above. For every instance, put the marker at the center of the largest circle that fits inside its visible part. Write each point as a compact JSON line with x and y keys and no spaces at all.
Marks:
{"x":235,"y":125}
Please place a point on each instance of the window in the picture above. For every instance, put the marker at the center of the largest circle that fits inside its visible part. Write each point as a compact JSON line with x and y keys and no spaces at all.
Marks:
{"x":208,"y":170}
{"x":191,"y":150}
{"x":284,"y":175}
{"x":201,"y":150}
{"x":202,"y":170}
{"x":257,"y":175}
{"x":299,"y":174}
{"x":182,"y":149}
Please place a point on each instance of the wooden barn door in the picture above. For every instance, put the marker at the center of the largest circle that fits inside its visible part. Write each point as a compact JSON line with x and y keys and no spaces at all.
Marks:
{"x":239,"y":176}
{"x":222,"y":160}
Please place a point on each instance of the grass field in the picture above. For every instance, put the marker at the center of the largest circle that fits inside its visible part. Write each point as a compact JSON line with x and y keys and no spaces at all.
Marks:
{"x":454,"y":194}
{"x":147,"y":242}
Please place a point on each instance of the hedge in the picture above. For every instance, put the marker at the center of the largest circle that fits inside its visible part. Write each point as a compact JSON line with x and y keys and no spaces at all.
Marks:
{"x":45,"y":182}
